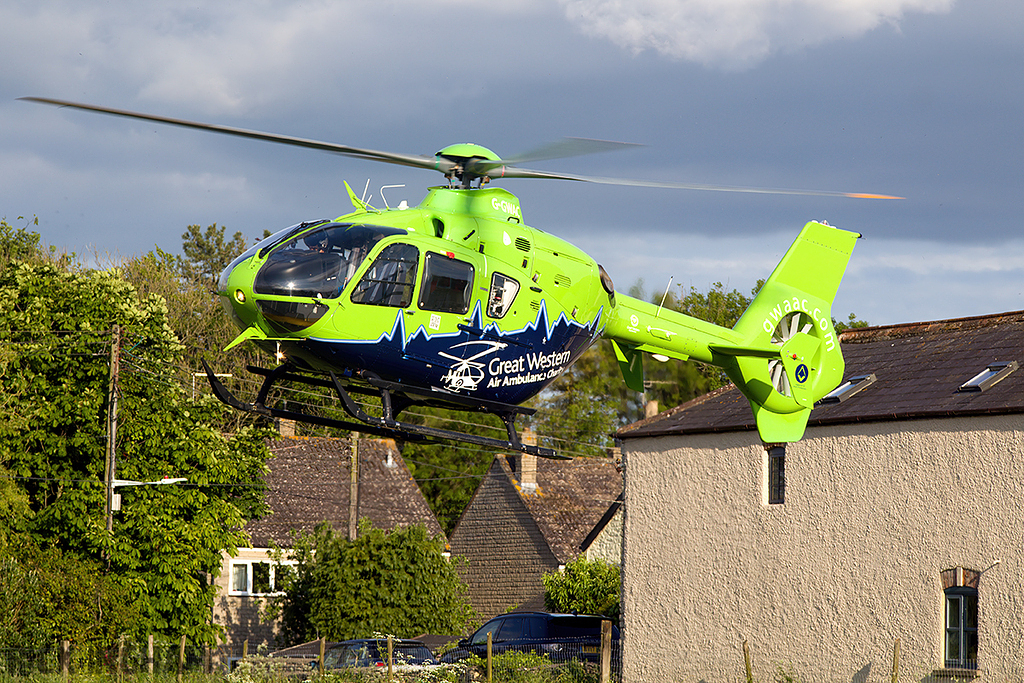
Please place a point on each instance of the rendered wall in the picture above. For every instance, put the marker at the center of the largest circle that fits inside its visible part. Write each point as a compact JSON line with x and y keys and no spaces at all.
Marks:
{"x":823,"y":584}
{"x":608,"y":544}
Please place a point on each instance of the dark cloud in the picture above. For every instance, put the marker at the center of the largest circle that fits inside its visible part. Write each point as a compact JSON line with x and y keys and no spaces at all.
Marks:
{"x":925,"y":105}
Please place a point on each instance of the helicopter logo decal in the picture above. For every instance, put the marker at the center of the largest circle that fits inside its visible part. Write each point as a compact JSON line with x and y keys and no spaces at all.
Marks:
{"x":467,"y":373}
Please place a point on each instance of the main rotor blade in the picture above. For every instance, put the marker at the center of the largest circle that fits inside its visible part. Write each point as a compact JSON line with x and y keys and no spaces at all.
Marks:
{"x":568,"y":147}
{"x":416,"y":161}
{"x":479,"y":167}
{"x":513,"y":172}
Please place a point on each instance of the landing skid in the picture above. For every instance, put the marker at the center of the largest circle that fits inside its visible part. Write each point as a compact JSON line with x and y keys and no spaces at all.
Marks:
{"x":394,"y":398}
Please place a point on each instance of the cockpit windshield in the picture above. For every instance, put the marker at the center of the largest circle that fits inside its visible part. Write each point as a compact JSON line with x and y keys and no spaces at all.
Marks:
{"x":321,"y":262}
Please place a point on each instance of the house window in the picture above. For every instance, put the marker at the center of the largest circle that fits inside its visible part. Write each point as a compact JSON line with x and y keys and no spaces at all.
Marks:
{"x":849,"y":388}
{"x":961,"y":628}
{"x":994,"y":373}
{"x":775,"y":457}
{"x":259,"y":577}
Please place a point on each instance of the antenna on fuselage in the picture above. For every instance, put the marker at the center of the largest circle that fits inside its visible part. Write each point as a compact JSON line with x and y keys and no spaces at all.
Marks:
{"x":385,"y":199}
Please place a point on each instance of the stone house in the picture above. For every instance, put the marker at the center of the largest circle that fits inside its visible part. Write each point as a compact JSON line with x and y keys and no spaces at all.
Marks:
{"x":310,"y":482}
{"x":530,"y":516}
{"x":897,"y":522}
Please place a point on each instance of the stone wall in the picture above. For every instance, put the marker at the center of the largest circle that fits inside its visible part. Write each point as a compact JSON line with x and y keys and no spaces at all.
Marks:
{"x":241,"y":616}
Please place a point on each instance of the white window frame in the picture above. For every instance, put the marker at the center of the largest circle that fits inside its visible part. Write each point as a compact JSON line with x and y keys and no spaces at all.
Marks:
{"x":248,"y":564}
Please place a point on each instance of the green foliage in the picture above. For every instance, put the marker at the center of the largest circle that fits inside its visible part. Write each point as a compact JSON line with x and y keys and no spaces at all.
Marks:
{"x":52,"y":594}
{"x":513,"y":666}
{"x":586,"y":587}
{"x":18,"y":244}
{"x":395,"y":582}
{"x":714,"y":306}
{"x":449,"y":474}
{"x":581,"y":408}
{"x":200,"y":323}
{"x":851,"y":323}
{"x":207,"y":253}
{"x":55,"y":326}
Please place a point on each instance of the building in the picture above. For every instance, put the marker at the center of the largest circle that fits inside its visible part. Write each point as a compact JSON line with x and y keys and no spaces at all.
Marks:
{"x":310,"y":482}
{"x":530,"y":516}
{"x":899,"y":518}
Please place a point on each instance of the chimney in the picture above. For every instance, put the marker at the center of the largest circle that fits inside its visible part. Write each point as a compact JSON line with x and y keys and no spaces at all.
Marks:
{"x":650,"y":409}
{"x":528,"y":464}
{"x":285,"y":427}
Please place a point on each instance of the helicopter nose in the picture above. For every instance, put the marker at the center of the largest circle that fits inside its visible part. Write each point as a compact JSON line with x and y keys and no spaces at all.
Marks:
{"x":230,"y":302}
{"x":236,"y":294}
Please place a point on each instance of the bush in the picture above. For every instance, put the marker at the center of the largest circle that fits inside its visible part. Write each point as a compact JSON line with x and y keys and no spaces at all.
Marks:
{"x":395,"y":582}
{"x":585,"y":587}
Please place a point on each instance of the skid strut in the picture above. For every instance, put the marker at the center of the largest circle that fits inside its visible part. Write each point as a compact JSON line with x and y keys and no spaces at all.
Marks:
{"x":394,"y":398}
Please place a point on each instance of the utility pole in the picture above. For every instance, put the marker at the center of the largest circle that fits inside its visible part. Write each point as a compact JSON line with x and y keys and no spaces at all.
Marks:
{"x":109,"y":469}
{"x":353,"y":494}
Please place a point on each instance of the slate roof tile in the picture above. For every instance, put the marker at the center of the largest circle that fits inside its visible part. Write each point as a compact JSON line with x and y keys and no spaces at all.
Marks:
{"x":309,"y":483}
{"x":919,"y":367}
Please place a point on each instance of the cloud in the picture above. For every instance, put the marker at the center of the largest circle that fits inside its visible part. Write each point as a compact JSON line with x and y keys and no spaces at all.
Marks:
{"x":735,"y":34}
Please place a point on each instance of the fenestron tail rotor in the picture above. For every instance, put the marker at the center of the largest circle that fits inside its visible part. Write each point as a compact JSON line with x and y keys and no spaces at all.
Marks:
{"x":466,"y":168}
{"x":791,"y":325}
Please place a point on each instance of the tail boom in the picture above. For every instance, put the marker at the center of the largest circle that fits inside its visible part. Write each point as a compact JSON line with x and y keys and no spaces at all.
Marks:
{"x":783,"y":353}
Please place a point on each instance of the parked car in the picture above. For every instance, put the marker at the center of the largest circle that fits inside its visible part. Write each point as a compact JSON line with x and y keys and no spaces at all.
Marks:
{"x":407,"y":655}
{"x":561,"y":637}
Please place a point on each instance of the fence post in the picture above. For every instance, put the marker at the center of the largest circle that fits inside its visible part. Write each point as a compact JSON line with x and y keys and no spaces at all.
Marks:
{"x":149,"y":654}
{"x":391,"y":653}
{"x":181,"y":658}
{"x":245,"y":648}
{"x":120,"y":658}
{"x":746,"y":661}
{"x":323,"y":651}
{"x":65,"y":658}
{"x":490,"y":642}
{"x":896,"y":661}
{"x":606,"y":651}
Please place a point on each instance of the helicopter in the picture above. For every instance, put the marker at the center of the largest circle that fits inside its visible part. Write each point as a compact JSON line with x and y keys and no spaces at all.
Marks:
{"x":458,"y":303}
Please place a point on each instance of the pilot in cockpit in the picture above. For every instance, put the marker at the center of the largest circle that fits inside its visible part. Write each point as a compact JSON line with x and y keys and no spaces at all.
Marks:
{"x":317,"y":241}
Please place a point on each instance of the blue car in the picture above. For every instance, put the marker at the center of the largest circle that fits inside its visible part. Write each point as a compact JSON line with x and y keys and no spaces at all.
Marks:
{"x":561,"y":637}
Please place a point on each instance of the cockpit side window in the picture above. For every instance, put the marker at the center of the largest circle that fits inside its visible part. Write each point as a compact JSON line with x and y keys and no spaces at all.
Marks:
{"x":318,"y":263}
{"x":503,"y":293}
{"x":447,"y":284}
{"x":390,"y":279}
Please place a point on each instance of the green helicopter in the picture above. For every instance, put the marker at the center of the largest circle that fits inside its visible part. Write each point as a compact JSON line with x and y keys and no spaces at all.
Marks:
{"x":458,"y":303}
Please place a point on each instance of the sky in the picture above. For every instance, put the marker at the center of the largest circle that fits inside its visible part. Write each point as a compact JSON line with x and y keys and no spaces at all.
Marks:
{"x":918,"y":98}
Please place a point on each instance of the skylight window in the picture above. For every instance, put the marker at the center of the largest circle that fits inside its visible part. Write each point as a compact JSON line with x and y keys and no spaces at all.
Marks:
{"x":848,"y":389}
{"x":995,"y":372}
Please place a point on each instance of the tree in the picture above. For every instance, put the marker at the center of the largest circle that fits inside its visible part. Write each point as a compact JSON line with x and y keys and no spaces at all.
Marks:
{"x":167,"y":540}
{"x":52,"y":595}
{"x":851,"y":323}
{"x":449,"y":473}
{"x":397,"y":582}
{"x":207,"y":253}
{"x":586,"y":587}
{"x":201,"y":324}
{"x":582,"y":407}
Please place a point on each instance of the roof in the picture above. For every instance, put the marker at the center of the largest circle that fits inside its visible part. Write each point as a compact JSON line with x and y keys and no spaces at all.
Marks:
{"x":571,"y":498}
{"x":309,"y":482}
{"x":919,"y":368}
